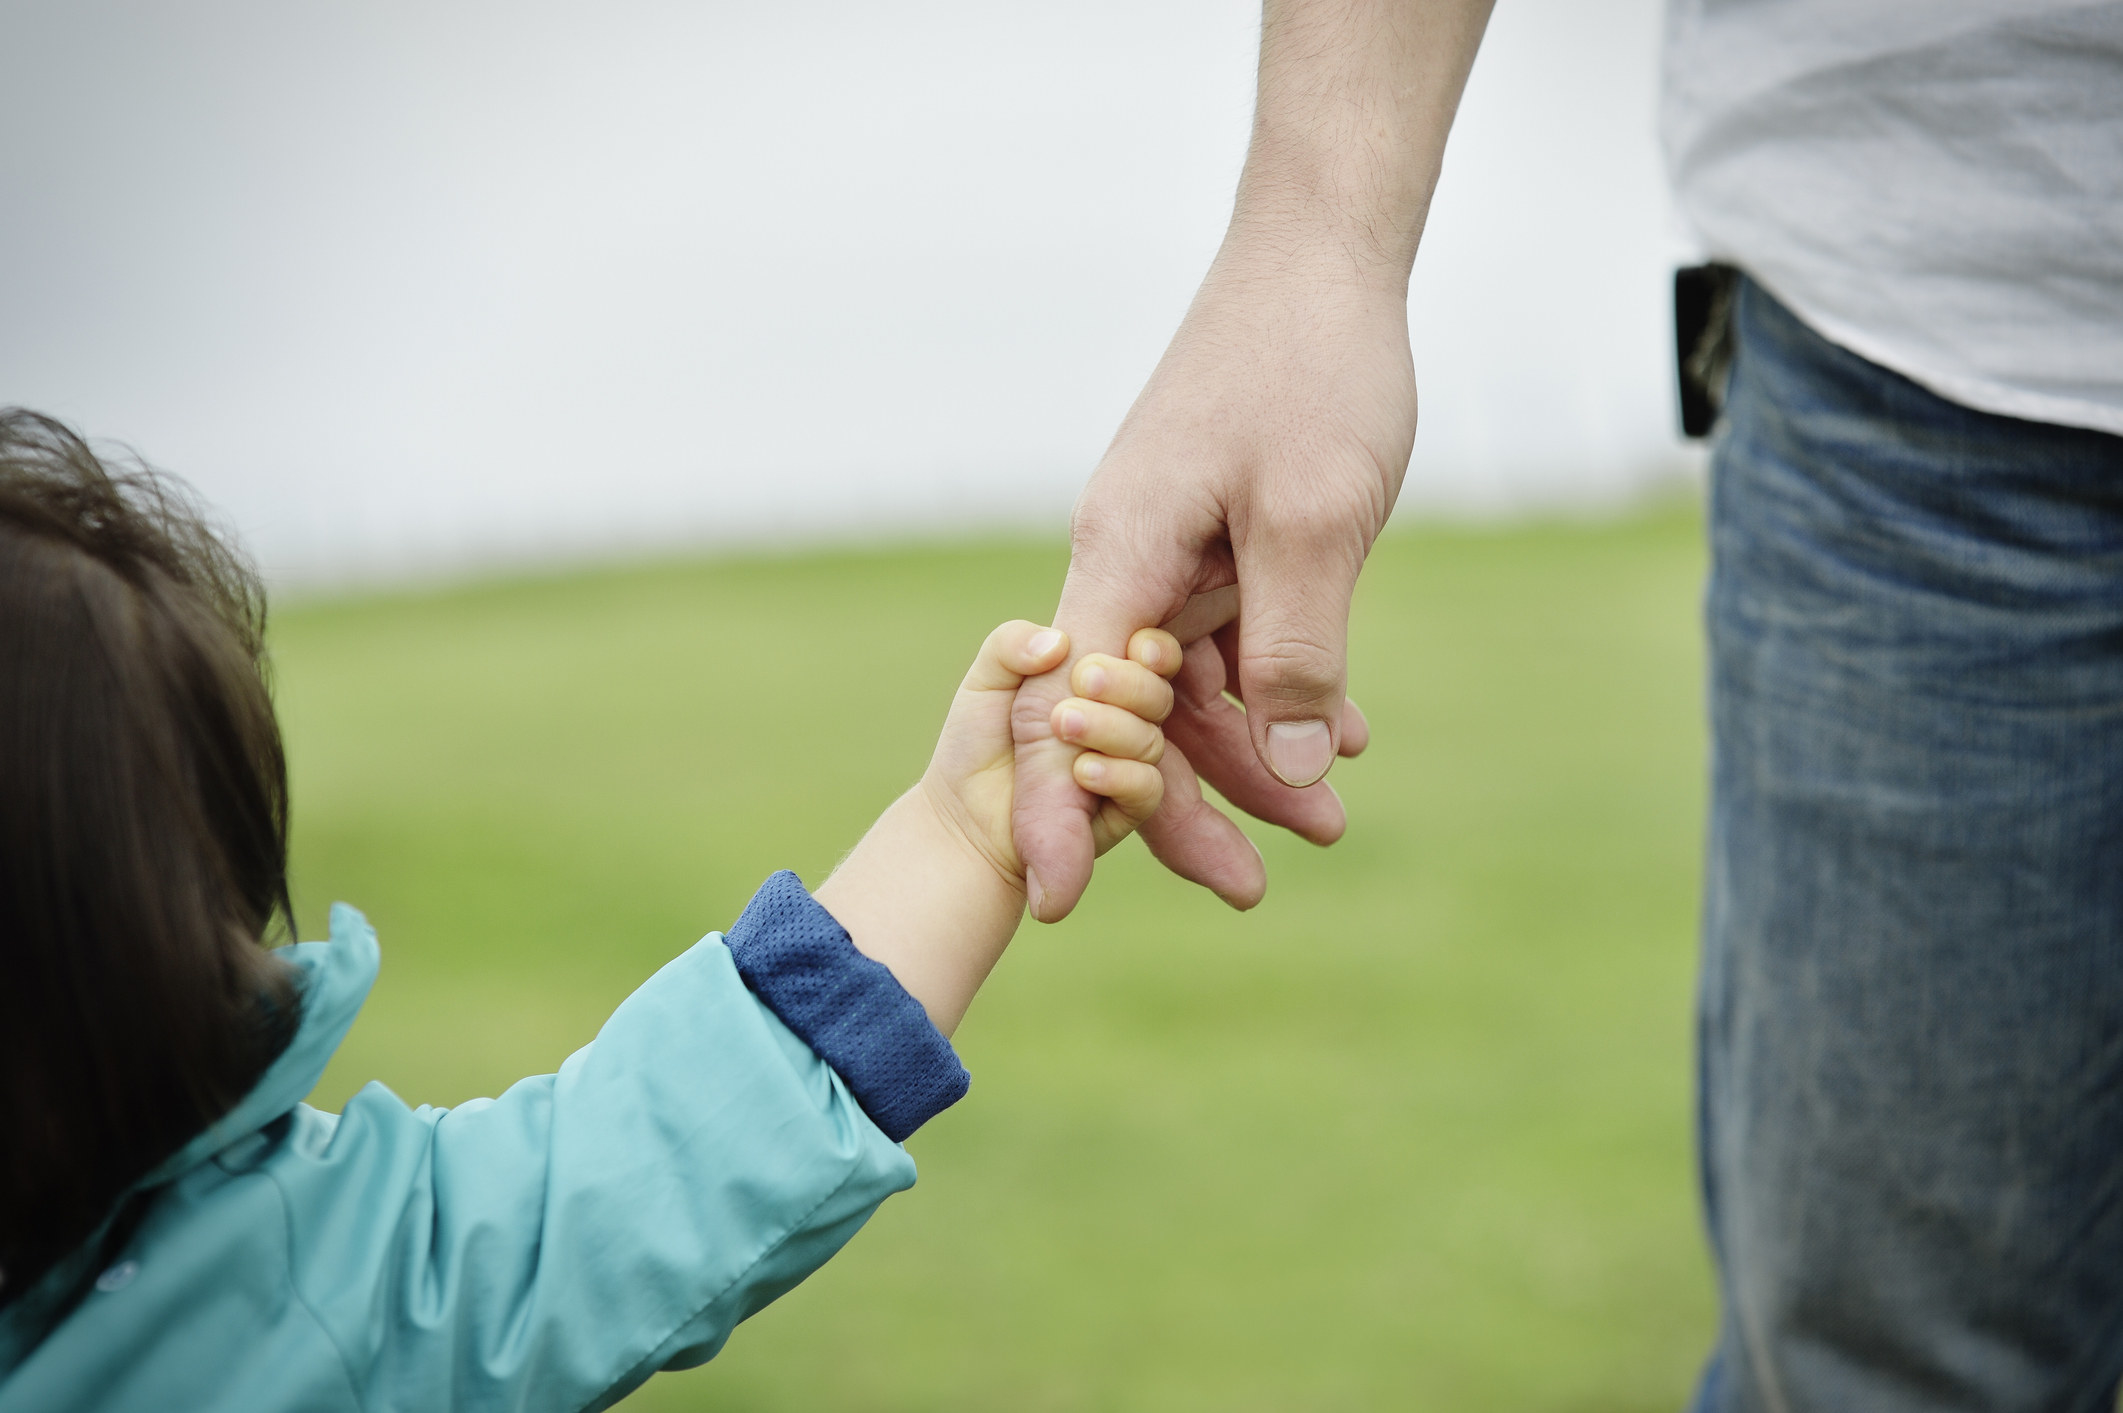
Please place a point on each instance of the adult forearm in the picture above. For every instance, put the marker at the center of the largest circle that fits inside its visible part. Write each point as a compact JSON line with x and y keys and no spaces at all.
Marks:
{"x":1356,"y":99}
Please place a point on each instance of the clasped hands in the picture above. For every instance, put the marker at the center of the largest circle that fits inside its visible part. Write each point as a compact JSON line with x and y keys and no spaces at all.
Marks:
{"x":1216,"y":550}
{"x":1205,"y":734}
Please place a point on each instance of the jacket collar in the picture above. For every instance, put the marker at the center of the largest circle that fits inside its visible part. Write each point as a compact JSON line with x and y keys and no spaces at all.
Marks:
{"x":335,"y":977}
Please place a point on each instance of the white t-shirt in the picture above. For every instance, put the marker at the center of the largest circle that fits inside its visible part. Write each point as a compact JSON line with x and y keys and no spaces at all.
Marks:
{"x":1936,"y":185}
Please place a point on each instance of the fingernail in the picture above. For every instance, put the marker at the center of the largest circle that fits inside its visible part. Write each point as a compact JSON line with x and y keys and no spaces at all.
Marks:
{"x":1072,"y":724}
{"x":1043,"y":642}
{"x":1034,"y":894}
{"x":1094,"y":681}
{"x":1300,"y":751}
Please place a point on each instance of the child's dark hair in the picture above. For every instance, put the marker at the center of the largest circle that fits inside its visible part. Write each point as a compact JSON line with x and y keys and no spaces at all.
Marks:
{"x":143,"y":836}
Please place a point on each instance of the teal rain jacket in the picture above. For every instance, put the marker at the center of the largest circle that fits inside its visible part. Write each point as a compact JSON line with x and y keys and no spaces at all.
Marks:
{"x":549,"y":1249}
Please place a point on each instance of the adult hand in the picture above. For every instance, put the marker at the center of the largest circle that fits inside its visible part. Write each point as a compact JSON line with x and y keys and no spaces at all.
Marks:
{"x":1266,"y":450}
{"x":1248,"y":482}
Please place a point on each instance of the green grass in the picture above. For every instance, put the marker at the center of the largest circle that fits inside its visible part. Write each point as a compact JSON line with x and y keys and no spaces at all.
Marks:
{"x":1413,"y":1134}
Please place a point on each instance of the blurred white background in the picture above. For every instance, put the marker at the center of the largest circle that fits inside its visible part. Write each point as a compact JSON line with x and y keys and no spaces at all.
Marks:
{"x":414,"y":288}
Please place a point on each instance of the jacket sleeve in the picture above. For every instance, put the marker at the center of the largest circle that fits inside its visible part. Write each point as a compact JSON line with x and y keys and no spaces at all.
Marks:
{"x":552,"y":1248}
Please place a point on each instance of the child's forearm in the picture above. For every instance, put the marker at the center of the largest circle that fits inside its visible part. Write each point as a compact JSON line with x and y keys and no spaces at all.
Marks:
{"x":916,"y":896}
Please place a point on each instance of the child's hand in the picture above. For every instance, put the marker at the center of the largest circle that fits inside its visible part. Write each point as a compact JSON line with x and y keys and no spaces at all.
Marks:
{"x":1113,"y":717}
{"x":935,"y":890}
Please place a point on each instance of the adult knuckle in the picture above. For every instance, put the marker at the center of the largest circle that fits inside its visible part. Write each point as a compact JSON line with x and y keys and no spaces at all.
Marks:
{"x":1109,"y":520}
{"x":1325,"y":503}
{"x":1091,"y":526}
{"x":1029,"y":714}
{"x":1292,"y":669}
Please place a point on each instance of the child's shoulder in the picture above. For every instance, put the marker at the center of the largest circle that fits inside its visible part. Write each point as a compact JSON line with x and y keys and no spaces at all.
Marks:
{"x":202,"y":1304}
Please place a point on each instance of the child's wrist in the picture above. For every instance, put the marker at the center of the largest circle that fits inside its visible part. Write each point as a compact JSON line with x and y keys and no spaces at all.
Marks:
{"x":918,"y":896}
{"x":957,"y":829}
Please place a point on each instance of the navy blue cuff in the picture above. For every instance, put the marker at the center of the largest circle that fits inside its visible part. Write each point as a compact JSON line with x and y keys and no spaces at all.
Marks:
{"x":848,"y":1008}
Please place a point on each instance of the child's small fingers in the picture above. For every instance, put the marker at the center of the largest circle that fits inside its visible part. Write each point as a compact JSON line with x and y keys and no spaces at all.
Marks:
{"x":1127,"y":685}
{"x":1135,"y":787}
{"x":1157,"y":650}
{"x":1037,"y":648}
{"x":1107,"y":730}
{"x":1015,"y":651}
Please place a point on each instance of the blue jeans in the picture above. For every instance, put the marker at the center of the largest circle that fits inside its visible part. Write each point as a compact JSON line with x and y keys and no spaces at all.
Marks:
{"x":1911,"y":1019}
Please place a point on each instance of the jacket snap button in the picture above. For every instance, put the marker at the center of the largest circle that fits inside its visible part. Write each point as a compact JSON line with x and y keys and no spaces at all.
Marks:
{"x":118,"y":1277}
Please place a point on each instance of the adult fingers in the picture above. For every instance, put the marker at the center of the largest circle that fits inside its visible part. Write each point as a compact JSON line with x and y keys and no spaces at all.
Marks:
{"x":1217,"y":739}
{"x":1356,"y":731}
{"x":1186,"y":833}
{"x":1111,"y":590}
{"x":1204,"y":613}
{"x":1050,"y":814}
{"x":1195,"y":840}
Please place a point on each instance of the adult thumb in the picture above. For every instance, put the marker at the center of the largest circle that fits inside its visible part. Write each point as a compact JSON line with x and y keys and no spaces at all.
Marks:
{"x":1293,"y":648}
